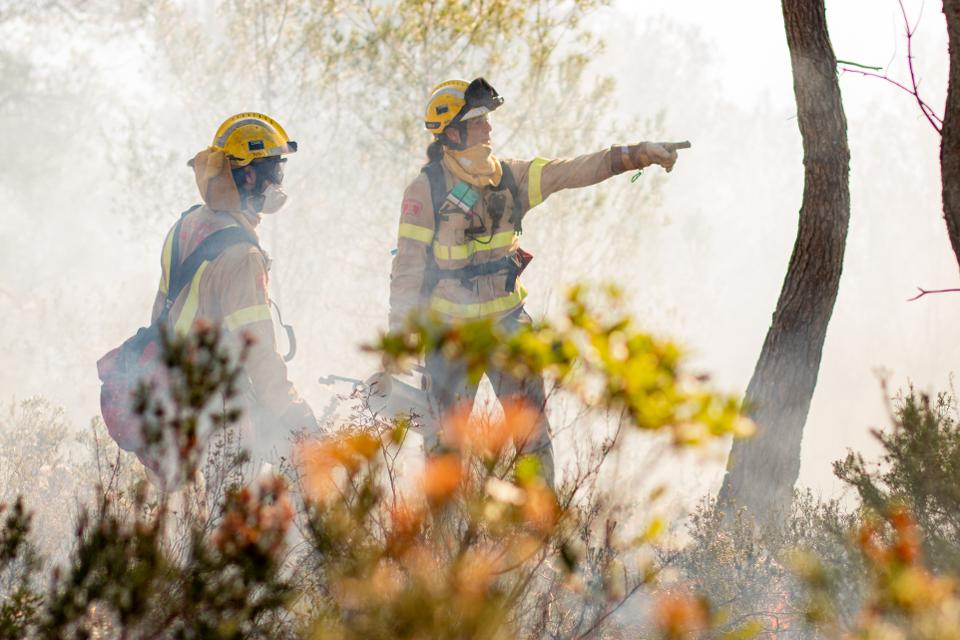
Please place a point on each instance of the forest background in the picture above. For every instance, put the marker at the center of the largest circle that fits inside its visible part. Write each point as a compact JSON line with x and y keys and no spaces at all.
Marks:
{"x":106,"y":103}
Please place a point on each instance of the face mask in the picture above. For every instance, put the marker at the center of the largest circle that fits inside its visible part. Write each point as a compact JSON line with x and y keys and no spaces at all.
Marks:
{"x":270,"y":196}
{"x":274,"y":199}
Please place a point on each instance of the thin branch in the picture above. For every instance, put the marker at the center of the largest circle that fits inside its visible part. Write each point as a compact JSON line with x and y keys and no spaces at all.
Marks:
{"x":913,"y":76}
{"x":924,"y":292}
{"x":857,"y":64}
{"x":935,"y":121}
{"x":914,"y":89}
{"x":598,"y":623}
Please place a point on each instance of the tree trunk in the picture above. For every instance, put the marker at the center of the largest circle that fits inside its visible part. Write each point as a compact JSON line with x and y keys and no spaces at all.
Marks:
{"x":762,"y":470}
{"x":950,"y":144}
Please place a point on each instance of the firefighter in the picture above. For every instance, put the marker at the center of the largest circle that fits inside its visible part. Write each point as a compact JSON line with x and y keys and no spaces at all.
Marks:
{"x":458,"y":252}
{"x":240,"y":180}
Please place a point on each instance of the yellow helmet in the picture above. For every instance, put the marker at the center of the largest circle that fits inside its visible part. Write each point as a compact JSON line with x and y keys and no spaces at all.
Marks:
{"x":248,"y":136}
{"x":453,"y":101}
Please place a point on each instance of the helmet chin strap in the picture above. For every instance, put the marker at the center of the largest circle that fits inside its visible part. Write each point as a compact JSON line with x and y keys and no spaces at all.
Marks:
{"x":461,"y":127}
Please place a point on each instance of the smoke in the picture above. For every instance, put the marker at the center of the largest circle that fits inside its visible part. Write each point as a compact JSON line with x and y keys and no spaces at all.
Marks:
{"x":701,"y":253}
{"x":716,"y":252}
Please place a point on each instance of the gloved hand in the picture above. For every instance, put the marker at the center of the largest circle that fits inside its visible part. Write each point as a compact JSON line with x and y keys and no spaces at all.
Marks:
{"x":645,"y":154}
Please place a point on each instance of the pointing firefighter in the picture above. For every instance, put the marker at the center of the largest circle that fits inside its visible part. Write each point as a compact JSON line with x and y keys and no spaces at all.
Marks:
{"x":216,"y":246}
{"x":458,"y":251}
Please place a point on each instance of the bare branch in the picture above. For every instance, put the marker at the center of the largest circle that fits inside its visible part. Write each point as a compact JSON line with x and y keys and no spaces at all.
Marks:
{"x":857,"y":64}
{"x":924,"y":292}
{"x":914,"y":89}
{"x":927,"y":110}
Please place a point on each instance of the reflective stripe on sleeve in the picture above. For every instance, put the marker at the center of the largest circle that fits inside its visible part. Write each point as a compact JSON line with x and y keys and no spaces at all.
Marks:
{"x":416,"y":232}
{"x":533,"y":181}
{"x":479,"y":309}
{"x":464,"y":251}
{"x":192,"y":303}
{"x":165,"y":262}
{"x":247,"y":315}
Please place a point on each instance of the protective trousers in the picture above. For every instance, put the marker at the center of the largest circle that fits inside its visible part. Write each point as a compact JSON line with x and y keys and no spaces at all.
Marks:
{"x":449,"y":388}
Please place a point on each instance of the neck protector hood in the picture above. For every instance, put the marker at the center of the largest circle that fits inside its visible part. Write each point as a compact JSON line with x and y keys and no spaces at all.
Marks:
{"x":474,"y":165}
{"x":215,"y":180}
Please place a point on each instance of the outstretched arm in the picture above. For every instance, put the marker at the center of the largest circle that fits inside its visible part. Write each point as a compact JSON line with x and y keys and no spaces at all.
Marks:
{"x":539,"y":178}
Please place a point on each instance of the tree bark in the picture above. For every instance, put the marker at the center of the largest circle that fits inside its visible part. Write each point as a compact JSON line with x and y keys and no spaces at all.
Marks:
{"x":762,"y":470}
{"x":950,"y":143}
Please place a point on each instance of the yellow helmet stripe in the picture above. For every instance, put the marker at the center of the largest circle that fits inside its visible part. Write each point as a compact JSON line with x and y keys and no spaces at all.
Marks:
{"x":452,"y":91}
{"x":222,"y":139}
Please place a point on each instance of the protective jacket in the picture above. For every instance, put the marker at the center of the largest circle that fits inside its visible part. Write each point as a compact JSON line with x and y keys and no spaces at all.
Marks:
{"x":231,"y":290}
{"x":442,"y":242}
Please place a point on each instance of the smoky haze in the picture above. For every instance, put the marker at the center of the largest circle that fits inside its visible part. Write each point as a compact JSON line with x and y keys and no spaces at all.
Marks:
{"x":102,"y":128}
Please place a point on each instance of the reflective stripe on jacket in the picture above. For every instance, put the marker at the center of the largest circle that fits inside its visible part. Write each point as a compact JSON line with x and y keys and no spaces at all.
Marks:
{"x":453,"y":247}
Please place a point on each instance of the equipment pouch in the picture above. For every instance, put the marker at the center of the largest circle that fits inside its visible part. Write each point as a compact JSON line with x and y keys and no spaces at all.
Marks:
{"x":463,"y":196}
{"x":123,"y":371}
{"x":520,"y":261}
{"x":523,"y":259}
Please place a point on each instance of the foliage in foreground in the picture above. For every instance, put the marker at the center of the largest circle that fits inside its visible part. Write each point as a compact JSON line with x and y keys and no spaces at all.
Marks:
{"x":352,"y":539}
{"x":883,"y":567}
{"x":342,"y":543}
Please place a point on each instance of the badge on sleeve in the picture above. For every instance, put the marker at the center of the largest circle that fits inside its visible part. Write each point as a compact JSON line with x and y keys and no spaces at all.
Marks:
{"x":411,"y":207}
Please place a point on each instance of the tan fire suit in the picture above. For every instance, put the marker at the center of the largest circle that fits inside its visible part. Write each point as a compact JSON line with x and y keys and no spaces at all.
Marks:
{"x":487,"y":295}
{"x":231,"y":290}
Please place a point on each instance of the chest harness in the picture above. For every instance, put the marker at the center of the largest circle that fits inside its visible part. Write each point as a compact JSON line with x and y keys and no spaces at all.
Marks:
{"x":464,"y":197}
{"x":208,"y":250}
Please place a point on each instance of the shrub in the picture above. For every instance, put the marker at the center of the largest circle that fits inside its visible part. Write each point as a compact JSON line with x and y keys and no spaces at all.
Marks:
{"x":479,"y":546}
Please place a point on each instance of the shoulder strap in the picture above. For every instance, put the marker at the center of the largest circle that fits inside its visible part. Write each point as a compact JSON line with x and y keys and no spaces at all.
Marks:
{"x":211,"y":247}
{"x":438,"y":189}
{"x":175,"y":249}
{"x":508,"y":181}
{"x":438,"y":194}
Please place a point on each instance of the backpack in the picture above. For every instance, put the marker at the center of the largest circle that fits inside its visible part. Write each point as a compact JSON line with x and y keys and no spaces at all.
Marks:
{"x":137,"y":360}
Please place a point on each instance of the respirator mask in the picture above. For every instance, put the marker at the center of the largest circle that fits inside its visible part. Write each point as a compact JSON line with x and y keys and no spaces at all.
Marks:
{"x":270,"y":197}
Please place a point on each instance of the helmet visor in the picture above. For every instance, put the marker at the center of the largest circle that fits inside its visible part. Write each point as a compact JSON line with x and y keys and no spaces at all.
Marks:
{"x":269,"y":170}
{"x":481,"y":98}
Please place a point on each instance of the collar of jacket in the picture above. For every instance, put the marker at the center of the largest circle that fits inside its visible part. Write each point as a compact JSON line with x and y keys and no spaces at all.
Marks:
{"x":248,"y":221}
